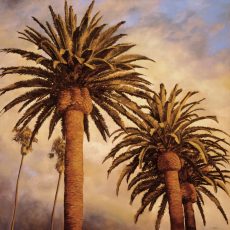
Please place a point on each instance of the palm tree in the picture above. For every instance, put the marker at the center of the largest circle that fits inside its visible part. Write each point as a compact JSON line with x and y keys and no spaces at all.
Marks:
{"x":164,"y":143}
{"x":82,"y":69}
{"x":152,"y":186}
{"x":23,"y":138}
{"x":58,"y":150}
{"x":196,"y":183}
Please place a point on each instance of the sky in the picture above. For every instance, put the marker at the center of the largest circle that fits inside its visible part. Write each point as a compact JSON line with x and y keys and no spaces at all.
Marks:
{"x":190,"y":42}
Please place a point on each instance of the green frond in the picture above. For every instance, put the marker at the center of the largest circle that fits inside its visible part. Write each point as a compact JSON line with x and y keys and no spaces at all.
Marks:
{"x":131,"y":105}
{"x":127,"y":89}
{"x":214,"y":200}
{"x":150,"y":184}
{"x":161,"y":211}
{"x":23,"y":84}
{"x":32,"y":111}
{"x":123,"y":144}
{"x":200,"y":196}
{"x":93,"y":35}
{"x":124,"y":172}
{"x":27,"y":70}
{"x":56,"y":117}
{"x":199,"y":146}
{"x":45,"y":113}
{"x":128,"y":130}
{"x":140,"y":176}
{"x":151,"y":199}
{"x":201,"y":210}
{"x":86,"y":126}
{"x":99,"y":119}
{"x":43,"y":27}
{"x":119,"y":49}
{"x":122,"y":158}
{"x":54,"y":36}
{"x":24,"y":97}
{"x":131,"y":58}
{"x":111,"y":112}
{"x":105,"y":36}
{"x":114,"y":39}
{"x":101,"y":78}
{"x":25,"y":104}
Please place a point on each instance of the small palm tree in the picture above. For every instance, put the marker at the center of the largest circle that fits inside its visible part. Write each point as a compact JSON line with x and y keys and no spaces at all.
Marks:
{"x":172,"y":137}
{"x":82,"y":68}
{"x":196,"y":183}
{"x":22,"y":137}
{"x":58,"y":150}
{"x":152,"y":186}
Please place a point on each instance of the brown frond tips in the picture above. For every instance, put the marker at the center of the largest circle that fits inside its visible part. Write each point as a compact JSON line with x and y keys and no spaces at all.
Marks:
{"x":23,"y":136}
{"x":58,"y":151}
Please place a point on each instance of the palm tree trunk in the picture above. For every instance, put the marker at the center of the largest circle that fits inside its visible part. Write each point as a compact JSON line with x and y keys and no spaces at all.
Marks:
{"x":175,"y":200}
{"x":73,"y":174}
{"x":190,"y":222}
{"x":16,"y":194}
{"x":169,"y":163}
{"x":55,"y":201}
{"x":74,"y":103}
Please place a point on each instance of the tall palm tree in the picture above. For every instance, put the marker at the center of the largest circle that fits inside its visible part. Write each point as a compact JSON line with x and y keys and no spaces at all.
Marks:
{"x":81,"y":67}
{"x":58,"y":150}
{"x":22,"y":137}
{"x":172,"y":136}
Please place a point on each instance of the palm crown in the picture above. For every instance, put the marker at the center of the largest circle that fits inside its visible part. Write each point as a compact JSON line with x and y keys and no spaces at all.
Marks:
{"x":23,"y":137}
{"x":174,"y":129}
{"x":85,"y":56}
{"x":58,"y":150}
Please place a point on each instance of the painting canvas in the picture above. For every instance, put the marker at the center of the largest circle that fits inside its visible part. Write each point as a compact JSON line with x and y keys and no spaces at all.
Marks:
{"x":114,"y":114}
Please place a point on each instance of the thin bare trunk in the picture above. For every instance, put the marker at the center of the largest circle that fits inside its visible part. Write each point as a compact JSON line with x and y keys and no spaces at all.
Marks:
{"x":16,"y":195}
{"x":55,"y":201}
{"x":73,"y":174}
{"x":175,"y":200}
{"x":190,"y":221}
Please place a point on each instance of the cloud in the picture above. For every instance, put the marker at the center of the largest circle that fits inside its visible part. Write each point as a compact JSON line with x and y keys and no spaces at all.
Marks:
{"x":35,"y":214}
{"x":12,"y":3}
{"x":180,"y":45}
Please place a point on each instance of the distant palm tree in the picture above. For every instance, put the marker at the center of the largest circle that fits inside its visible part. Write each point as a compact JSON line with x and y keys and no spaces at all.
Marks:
{"x":82,"y":69}
{"x":163,"y":144}
{"x":22,"y":137}
{"x":58,"y":150}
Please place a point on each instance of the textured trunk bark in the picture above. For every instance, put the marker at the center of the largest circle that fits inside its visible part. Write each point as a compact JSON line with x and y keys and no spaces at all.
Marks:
{"x":190,"y":222}
{"x":175,"y":200}
{"x":16,"y":194}
{"x":55,"y":201}
{"x":73,"y":174}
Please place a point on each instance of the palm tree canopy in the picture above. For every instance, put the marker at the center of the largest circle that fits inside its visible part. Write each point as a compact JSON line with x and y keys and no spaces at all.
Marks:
{"x":23,"y":137}
{"x":85,"y":54}
{"x":58,"y":150}
{"x":174,"y":129}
